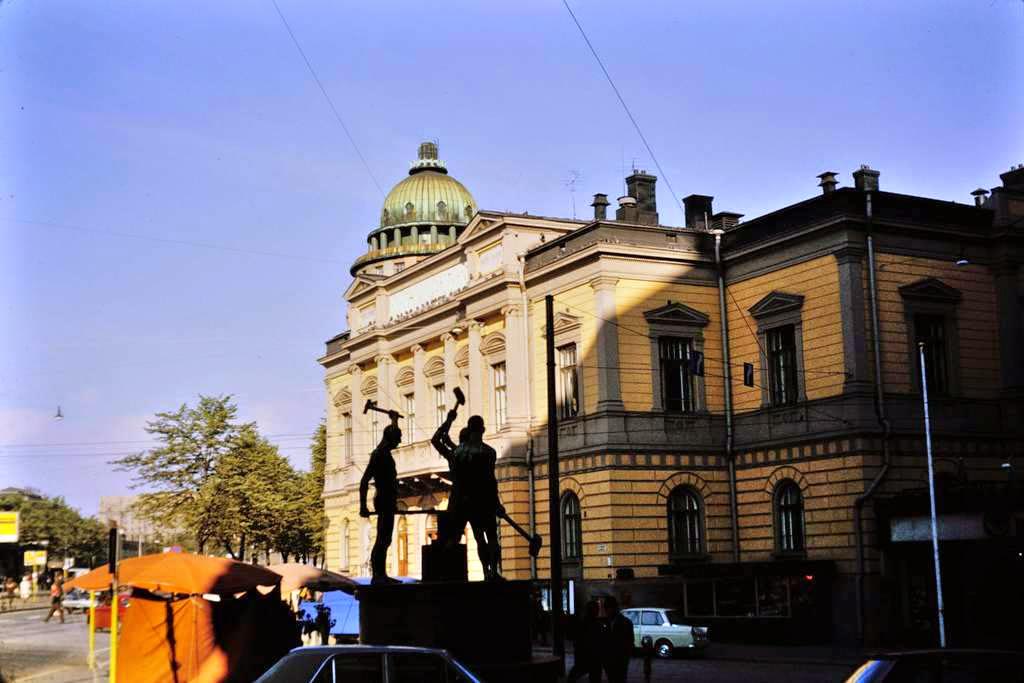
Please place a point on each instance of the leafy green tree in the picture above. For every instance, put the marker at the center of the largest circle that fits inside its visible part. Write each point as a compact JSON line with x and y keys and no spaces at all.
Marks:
{"x":64,"y":532}
{"x":182,"y":468}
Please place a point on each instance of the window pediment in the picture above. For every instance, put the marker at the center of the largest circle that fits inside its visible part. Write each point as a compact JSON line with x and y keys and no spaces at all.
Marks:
{"x":369,"y":387}
{"x":565,"y":323}
{"x":406,"y":376}
{"x":777,"y":302}
{"x":492,"y":344}
{"x":343,"y":399}
{"x":676,"y":313}
{"x":462,"y":357}
{"x":931,"y":289}
{"x":434,"y":367}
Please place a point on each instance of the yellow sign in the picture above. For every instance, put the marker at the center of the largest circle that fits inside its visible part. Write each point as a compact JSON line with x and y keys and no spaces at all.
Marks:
{"x":35,"y":558}
{"x":9,"y":527}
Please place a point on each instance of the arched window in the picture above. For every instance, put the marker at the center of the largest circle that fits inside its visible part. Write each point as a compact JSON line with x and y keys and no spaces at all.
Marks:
{"x":410,"y":211}
{"x":789,"y":517}
{"x":685,"y":523}
{"x":442,"y":210}
{"x":572,"y":528}
{"x":343,"y":564}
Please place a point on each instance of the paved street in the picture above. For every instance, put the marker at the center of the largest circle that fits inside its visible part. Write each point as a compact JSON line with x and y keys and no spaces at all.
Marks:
{"x":31,"y":650}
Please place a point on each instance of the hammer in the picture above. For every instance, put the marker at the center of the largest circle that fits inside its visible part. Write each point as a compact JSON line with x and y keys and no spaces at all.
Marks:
{"x":534,"y":539}
{"x":372,"y":405}
{"x":460,"y":398}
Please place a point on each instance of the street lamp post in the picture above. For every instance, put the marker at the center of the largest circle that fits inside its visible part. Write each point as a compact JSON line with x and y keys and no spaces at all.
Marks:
{"x":931,"y":497}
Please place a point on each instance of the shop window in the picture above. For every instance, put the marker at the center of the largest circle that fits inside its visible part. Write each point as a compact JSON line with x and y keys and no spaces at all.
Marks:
{"x":572,"y":528}
{"x":735,"y":598}
{"x":789,"y":518}
{"x":773,"y":596}
{"x":568,"y":382}
{"x":685,"y":523}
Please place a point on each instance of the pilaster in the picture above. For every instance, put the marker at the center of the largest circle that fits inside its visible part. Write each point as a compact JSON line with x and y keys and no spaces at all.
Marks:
{"x":451,"y":371}
{"x":419,"y":359}
{"x":609,"y":392}
{"x":516,"y":367}
{"x":386,"y":398}
{"x":850,"y":261}
{"x":476,"y":369}
{"x":360,"y":426}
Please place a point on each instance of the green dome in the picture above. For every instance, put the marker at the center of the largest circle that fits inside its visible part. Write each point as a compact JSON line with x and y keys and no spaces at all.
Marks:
{"x":428,"y":196}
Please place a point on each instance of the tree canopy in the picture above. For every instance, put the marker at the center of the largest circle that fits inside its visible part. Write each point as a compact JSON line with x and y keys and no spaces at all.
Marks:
{"x":228,"y":486}
{"x":65,"y":533}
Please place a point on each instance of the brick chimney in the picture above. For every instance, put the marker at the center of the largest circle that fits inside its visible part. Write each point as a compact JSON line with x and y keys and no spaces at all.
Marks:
{"x":696,"y":206}
{"x":865,"y":179}
{"x":627,"y":210}
{"x":640,"y":186}
{"x":600,"y":205}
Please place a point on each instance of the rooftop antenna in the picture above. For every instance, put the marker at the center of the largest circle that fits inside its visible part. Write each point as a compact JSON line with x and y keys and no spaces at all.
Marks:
{"x":570,"y":182}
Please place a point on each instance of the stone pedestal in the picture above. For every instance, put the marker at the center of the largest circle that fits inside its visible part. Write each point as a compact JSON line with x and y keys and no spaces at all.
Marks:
{"x":444,"y":564}
{"x":485,"y":625}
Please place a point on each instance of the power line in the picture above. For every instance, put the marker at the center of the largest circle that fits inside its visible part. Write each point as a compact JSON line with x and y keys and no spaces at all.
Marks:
{"x":622,"y":101}
{"x":327,"y":97}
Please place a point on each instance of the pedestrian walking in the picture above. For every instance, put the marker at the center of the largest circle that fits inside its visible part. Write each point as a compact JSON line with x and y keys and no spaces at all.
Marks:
{"x":586,"y":647}
{"x":56,"y":600}
{"x":10,"y":589}
{"x":648,"y":649}
{"x":25,"y":589}
{"x":618,"y":642}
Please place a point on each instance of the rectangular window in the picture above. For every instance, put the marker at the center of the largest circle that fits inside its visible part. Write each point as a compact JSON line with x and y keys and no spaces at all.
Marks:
{"x":440,"y":412}
{"x":500,"y":397}
{"x":399,"y":266}
{"x":782,"y":379}
{"x":568,"y":382}
{"x":346,"y":428}
{"x":677,"y":383}
{"x":931,"y":329}
{"x":374,"y":428}
{"x":409,"y":405}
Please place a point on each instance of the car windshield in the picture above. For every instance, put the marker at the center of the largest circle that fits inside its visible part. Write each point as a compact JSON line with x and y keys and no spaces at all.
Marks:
{"x":676,"y":617}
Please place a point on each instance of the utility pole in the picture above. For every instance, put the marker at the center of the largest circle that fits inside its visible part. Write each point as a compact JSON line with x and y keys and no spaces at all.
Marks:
{"x":931,"y":497}
{"x":554,"y":518}
{"x":114,"y":556}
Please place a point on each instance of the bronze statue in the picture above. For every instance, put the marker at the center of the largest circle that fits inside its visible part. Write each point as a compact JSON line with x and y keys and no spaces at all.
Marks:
{"x":474,"y":495}
{"x":382,"y":470}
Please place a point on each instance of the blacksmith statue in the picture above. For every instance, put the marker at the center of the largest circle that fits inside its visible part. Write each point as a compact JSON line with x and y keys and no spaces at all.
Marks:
{"x":474,"y":495}
{"x":382,"y":470}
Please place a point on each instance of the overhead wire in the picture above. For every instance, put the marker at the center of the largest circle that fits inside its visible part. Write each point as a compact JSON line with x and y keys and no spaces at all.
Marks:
{"x":327,"y":97}
{"x":622,"y":101}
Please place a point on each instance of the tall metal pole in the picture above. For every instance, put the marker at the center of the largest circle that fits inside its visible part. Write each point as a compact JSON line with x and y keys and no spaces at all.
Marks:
{"x":554,"y":517}
{"x":931,"y":498}
{"x":114,"y":552}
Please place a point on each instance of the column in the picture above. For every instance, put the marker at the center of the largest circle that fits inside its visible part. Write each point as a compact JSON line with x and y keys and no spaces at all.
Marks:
{"x":451,"y":372}
{"x":383,"y":240}
{"x":386,"y":385}
{"x":396,"y":237}
{"x":360,"y":427}
{"x":516,"y":366}
{"x":850,"y":260}
{"x":609,"y":392}
{"x":433,"y":234}
{"x":419,"y":387}
{"x":1008,"y":300}
{"x":476,"y":369}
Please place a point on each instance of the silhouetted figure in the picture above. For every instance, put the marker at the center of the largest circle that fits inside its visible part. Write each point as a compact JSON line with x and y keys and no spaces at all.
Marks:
{"x":382,"y":470}
{"x":587,"y":646}
{"x":474,"y":496}
{"x":56,"y":600}
{"x":617,"y":645}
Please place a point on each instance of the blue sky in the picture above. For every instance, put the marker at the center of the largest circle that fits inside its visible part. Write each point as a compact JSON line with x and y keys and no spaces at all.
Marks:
{"x":130,"y":129}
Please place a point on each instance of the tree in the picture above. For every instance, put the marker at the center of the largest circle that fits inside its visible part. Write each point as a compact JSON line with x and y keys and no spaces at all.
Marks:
{"x":180,"y":470}
{"x":62,"y":529}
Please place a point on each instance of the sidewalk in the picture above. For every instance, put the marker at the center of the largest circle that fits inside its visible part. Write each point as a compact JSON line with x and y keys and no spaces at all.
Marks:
{"x":34,"y":602}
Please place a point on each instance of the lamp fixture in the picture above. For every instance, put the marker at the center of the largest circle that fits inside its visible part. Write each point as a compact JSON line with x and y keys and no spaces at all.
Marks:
{"x":59,"y":415}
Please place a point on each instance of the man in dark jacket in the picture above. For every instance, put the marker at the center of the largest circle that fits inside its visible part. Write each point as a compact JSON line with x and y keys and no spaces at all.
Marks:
{"x":618,"y":643}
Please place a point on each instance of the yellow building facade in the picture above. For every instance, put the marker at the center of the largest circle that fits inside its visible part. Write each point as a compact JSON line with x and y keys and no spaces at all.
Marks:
{"x":731,"y":438}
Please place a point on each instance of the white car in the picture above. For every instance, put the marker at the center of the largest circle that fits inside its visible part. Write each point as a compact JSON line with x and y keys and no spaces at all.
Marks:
{"x":76,"y":599}
{"x":667,"y":630}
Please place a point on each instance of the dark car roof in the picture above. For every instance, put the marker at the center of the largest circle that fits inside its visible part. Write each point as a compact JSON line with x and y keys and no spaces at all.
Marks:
{"x":335,"y":649}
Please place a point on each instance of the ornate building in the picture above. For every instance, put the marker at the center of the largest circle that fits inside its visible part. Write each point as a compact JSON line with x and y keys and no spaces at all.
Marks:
{"x":735,"y":438}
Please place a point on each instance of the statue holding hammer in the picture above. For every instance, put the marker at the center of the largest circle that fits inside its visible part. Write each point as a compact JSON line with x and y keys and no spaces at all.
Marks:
{"x":382,"y":470}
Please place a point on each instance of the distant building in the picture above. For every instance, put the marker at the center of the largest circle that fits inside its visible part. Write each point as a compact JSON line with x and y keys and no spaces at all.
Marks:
{"x":120,"y":511}
{"x":729,"y":444}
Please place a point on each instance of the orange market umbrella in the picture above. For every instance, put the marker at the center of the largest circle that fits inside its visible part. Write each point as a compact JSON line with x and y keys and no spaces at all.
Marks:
{"x":295,"y":576}
{"x":180,"y":573}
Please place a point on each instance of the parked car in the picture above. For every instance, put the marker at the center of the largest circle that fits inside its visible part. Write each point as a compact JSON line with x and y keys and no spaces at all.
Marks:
{"x":103,"y":613}
{"x":76,"y":599}
{"x":367,"y":664}
{"x":667,"y":629}
{"x":945,"y":666}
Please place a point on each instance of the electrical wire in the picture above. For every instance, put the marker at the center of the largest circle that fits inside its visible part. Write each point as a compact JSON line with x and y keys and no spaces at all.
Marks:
{"x":330,"y":102}
{"x":622,"y":101}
